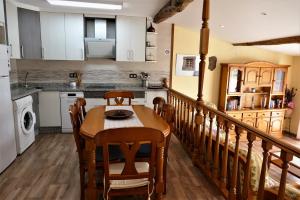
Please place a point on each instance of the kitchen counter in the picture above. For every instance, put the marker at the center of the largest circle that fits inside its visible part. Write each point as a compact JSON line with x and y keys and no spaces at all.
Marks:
{"x":19,"y":91}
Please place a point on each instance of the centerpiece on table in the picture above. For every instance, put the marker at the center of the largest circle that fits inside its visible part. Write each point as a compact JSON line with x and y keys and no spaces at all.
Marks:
{"x":289,"y":103}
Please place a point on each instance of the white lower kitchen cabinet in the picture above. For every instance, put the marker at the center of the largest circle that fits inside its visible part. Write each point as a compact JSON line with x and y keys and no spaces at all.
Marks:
{"x":49,"y":108}
{"x":150,"y":95}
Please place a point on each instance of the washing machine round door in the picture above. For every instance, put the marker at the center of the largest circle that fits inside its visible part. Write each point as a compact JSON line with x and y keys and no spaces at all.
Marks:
{"x":27,"y":121}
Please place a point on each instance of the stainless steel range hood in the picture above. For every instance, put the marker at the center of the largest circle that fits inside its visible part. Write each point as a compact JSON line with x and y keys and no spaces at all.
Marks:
{"x":100,"y":38}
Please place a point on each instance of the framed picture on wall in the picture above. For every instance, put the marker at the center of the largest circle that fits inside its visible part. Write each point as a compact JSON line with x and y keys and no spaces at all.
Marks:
{"x":187,"y":65}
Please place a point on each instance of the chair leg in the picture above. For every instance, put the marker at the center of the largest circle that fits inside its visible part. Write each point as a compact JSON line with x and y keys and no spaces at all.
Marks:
{"x":82,"y":179}
{"x":165,"y":174}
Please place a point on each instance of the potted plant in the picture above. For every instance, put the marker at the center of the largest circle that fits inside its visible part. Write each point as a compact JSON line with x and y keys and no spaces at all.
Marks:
{"x":289,"y":103}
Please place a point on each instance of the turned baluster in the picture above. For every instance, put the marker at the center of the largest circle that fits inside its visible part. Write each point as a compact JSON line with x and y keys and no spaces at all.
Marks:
{"x":180,"y":120}
{"x":225,"y":155}
{"x":217,"y":148}
{"x":192,"y":129}
{"x":232,"y":192}
{"x":203,"y":136}
{"x":247,"y":177}
{"x":266,"y":148}
{"x":286,"y":158}
{"x":184,"y":123}
{"x":177,"y":116}
{"x":188,"y":125}
{"x":209,"y":144}
{"x":198,"y":121}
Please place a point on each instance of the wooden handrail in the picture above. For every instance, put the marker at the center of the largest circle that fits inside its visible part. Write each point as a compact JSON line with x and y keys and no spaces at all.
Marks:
{"x":194,"y":128}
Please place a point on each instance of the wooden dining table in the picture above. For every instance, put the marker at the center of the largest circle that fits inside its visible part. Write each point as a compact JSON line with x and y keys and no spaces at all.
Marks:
{"x":94,"y":124}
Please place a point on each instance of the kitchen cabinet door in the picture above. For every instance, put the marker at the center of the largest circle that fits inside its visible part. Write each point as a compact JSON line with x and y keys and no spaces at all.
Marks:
{"x":249,"y":121}
{"x":53,"y":36}
{"x":131,"y":39}
{"x":276,"y":125}
{"x":266,"y":77}
{"x":30,"y":34}
{"x":49,"y":109}
{"x":251,"y":76}
{"x":13,"y":30}
{"x":263,"y":124}
{"x":138,"y":38}
{"x":280,"y":76}
{"x":2,"y":20}
{"x":74,"y":37}
{"x":150,"y":95}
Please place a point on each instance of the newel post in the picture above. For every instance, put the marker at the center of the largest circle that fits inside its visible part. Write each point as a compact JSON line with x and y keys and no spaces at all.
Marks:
{"x":204,"y":41}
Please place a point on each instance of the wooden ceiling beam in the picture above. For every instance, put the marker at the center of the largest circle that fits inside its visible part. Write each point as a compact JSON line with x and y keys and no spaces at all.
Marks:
{"x":277,"y":41}
{"x":171,"y":8}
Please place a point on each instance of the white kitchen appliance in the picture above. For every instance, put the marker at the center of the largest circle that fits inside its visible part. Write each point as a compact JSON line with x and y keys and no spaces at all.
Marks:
{"x":67,"y":99}
{"x":24,"y":123}
{"x":8,"y":151}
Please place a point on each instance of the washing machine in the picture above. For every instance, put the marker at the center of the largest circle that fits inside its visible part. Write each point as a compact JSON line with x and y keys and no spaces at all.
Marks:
{"x":24,"y":123}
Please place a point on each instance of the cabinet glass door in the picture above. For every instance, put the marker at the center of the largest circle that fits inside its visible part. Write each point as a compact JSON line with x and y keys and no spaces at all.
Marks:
{"x":235,"y":80}
{"x":279,"y":81}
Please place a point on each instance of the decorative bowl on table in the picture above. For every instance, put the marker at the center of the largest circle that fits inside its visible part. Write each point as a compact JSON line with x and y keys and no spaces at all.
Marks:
{"x":118,"y":114}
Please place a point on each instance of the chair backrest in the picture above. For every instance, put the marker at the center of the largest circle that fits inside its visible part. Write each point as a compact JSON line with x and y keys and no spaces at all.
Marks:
{"x":130,"y":140}
{"x":80,"y":103}
{"x":168,"y":113}
{"x":76,"y":123}
{"x":158,"y":103}
{"x":119,"y":97}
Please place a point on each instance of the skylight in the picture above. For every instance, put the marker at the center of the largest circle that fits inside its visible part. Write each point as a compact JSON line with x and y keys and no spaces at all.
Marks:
{"x":79,"y":4}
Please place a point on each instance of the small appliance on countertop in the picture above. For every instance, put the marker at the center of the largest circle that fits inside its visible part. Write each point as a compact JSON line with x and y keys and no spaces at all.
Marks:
{"x":155,"y":86}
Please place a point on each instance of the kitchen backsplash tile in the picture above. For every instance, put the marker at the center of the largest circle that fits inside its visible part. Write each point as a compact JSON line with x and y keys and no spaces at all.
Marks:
{"x":98,"y":70}
{"x":13,"y":72}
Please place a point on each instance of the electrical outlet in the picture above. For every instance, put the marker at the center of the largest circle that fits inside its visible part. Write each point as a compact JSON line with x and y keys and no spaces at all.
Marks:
{"x":73,"y":75}
{"x":132,"y":75}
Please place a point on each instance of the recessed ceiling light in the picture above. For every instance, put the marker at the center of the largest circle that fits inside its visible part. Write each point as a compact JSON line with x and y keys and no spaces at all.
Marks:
{"x":222,"y":26}
{"x":105,"y":6}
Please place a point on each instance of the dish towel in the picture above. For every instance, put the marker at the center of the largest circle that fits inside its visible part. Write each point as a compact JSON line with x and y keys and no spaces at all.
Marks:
{"x":133,"y":121}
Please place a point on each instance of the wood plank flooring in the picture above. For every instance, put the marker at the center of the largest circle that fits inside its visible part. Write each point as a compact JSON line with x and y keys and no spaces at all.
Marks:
{"x":49,"y":170}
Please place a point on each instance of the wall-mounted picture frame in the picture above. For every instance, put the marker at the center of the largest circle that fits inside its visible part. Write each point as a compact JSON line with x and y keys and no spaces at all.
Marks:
{"x":187,"y":65}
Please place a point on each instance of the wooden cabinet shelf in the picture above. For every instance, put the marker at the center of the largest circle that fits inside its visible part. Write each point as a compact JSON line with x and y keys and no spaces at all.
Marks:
{"x":262,"y":108}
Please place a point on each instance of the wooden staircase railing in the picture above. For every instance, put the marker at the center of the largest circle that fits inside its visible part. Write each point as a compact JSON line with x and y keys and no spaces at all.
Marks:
{"x":214,"y":153}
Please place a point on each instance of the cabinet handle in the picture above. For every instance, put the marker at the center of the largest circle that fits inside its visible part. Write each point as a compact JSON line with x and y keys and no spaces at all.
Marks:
{"x":128,"y":54}
{"x":22,"y":51}
{"x":82,"y":54}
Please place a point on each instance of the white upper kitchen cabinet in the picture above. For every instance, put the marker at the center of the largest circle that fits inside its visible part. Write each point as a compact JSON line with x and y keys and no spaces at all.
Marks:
{"x":131,"y":39}
{"x":53,"y":36}
{"x":13,"y":30}
{"x":2,"y":20}
{"x":74,"y":36}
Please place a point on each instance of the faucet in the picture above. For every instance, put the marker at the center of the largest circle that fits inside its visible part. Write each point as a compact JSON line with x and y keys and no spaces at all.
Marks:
{"x":25,"y":82}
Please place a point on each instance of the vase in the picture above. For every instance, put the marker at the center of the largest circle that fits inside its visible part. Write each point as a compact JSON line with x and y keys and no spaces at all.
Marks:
{"x":288,"y":113}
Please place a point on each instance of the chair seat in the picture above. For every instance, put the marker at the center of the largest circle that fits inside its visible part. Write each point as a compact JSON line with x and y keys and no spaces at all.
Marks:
{"x":114,"y":153}
{"x":117,"y":168}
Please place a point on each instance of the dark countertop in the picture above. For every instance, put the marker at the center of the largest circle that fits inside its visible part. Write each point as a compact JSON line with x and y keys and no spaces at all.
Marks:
{"x":18,"y":91}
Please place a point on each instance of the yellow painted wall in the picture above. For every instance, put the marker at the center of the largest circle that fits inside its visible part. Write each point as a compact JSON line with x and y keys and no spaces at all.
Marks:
{"x":186,"y":41}
{"x":295,"y":82}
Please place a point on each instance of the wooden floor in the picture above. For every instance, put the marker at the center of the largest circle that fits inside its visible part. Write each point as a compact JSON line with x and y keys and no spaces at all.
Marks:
{"x":49,"y":170}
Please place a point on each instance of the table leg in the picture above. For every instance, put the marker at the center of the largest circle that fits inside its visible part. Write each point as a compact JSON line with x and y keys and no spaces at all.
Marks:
{"x":91,"y":191}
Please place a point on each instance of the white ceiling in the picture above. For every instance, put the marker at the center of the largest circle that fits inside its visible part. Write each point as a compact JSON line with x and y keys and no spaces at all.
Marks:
{"x":130,"y":7}
{"x":242,"y":19}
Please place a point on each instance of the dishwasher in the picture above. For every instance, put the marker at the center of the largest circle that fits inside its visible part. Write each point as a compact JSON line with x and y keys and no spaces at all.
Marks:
{"x":67,"y":99}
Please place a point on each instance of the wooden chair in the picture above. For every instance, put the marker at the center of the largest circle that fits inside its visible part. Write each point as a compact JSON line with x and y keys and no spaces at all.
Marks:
{"x":81,"y":103}
{"x":119,"y":97}
{"x":158,"y":103}
{"x":130,"y":177}
{"x":168,"y":114}
{"x":76,"y":122}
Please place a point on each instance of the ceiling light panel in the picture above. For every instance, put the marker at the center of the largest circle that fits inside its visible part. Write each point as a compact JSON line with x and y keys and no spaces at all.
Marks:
{"x":78,"y":4}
